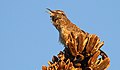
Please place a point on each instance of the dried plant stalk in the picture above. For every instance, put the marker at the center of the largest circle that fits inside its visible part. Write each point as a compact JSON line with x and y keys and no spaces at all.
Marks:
{"x":72,"y":59}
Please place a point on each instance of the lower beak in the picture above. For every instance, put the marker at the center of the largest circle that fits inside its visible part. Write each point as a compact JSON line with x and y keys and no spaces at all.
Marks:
{"x":50,"y":11}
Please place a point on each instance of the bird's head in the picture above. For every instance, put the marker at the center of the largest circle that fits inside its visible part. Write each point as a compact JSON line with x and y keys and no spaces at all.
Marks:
{"x":56,"y":14}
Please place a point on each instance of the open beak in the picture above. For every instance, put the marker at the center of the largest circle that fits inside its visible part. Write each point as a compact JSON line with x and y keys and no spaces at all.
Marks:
{"x":49,"y":9}
{"x":50,"y":12}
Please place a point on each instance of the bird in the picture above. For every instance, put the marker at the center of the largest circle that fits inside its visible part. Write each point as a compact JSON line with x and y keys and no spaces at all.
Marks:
{"x":67,"y":30}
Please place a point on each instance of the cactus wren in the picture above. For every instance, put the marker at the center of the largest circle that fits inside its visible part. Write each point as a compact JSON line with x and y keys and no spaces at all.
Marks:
{"x":64,"y":26}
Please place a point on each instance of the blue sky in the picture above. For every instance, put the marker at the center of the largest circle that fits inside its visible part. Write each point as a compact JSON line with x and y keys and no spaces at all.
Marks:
{"x":28,"y":39}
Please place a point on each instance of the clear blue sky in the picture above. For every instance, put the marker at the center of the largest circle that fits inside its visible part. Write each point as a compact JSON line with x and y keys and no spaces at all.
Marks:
{"x":28,"y":39}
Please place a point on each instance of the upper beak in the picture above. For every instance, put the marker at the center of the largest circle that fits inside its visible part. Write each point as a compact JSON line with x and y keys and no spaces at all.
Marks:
{"x":50,"y":11}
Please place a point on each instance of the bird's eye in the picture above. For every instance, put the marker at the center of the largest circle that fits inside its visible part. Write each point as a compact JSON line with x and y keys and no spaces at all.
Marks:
{"x":59,"y":16}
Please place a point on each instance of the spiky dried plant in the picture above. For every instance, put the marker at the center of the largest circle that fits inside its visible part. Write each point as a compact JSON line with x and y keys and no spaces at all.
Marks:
{"x":81,"y":49}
